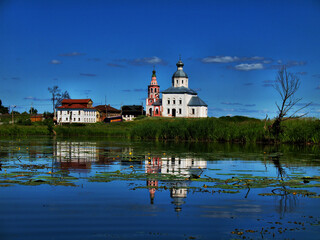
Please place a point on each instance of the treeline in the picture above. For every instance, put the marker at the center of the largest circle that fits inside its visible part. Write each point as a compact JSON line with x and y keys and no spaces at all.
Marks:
{"x":225,"y":129}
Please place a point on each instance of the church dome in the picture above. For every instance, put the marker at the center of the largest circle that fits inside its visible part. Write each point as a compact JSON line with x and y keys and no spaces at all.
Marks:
{"x":180,"y":72}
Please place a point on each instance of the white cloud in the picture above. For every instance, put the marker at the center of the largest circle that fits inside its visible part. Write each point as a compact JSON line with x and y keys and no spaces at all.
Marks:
{"x":54,"y":61}
{"x":71,"y":54}
{"x":220,"y":59}
{"x":149,"y":60}
{"x":248,"y":66}
{"x":144,"y":61}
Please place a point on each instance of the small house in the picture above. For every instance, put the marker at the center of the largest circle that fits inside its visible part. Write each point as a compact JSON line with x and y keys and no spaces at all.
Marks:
{"x":106,"y":111}
{"x":129,"y":112}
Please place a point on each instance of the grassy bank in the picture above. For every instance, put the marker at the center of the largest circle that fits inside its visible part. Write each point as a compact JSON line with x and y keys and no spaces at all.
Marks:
{"x":237,"y":129}
{"x":225,"y":129}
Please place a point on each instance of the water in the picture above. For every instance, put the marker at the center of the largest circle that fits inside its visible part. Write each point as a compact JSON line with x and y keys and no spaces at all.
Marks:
{"x":116,"y":189}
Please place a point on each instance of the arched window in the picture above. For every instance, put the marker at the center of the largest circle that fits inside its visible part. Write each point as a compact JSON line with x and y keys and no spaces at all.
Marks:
{"x":157,"y":111}
{"x":174,"y":101}
{"x":152,"y":90}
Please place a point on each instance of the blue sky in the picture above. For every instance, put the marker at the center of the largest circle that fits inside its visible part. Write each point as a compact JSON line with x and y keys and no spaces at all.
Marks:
{"x":107,"y":50}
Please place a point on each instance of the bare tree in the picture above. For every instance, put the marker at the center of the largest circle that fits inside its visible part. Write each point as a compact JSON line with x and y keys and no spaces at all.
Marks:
{"x":55,"y":92}
{"x":64,"y":95}
{"x":57,"y":96}
{"x":287,"y":84}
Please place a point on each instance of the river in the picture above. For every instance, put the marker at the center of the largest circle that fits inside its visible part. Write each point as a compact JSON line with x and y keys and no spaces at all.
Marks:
{"x":96,"y":188}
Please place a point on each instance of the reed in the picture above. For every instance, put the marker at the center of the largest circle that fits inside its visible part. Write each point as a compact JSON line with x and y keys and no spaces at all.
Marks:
{"x":224,"y":129}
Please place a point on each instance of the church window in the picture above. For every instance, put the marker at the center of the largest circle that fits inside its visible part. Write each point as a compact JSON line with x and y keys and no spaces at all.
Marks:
{"x":157,"y":112}
{"x":151,"y":90}
{"x":66,"y":119}
{"x":155,"y":90}
{"x":168,"y":110}
{"x":177,"y":81}
{"x":193,"y":111}
{"x":79,"y":119}
{"x":180,"y":101}
{"x":79,"y":112}
{"x":74,"y":119}
{"x":173,"y":101}
{"x":168,"y":101}
{"x":180,"y":110}
{"x":182,"y":81}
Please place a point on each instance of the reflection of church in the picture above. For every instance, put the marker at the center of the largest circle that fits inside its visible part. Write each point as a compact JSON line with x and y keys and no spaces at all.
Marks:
{"x":184,"y":167}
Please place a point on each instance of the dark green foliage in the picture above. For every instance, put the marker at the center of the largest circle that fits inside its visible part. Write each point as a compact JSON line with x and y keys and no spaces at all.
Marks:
{"x":26,"y":122}
{"x":3,"y":110}
{"x":140,"y":117}
{"x":33,"y":111}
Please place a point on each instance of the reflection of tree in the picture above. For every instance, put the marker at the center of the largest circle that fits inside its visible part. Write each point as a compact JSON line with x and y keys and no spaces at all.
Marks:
{"x":287,"y":202}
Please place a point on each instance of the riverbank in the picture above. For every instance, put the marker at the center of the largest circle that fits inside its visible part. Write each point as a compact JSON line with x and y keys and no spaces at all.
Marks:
{"x":224,"y":129}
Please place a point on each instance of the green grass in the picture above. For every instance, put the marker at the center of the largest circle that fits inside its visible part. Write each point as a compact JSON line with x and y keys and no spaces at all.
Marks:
{"x":224,"y":129}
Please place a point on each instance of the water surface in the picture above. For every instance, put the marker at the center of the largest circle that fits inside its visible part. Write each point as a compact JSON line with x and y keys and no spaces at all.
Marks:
{"x":117,"y":189}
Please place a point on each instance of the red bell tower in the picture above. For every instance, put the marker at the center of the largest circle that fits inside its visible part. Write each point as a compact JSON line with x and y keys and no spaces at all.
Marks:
{"x":153,"y":104}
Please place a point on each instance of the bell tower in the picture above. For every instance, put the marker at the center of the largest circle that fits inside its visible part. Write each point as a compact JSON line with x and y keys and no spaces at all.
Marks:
{"x":153,"y":90}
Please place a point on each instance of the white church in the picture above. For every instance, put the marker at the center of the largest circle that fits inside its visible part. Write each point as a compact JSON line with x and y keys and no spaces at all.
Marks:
{"x":178,"y":100}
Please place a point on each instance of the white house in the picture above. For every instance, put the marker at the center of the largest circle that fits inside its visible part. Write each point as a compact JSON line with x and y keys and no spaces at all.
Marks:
{"x":181,"y":101}
{"x":76,"y":111}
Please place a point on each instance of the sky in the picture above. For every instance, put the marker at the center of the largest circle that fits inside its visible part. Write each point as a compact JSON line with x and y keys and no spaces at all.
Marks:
{"x":106,"y":51}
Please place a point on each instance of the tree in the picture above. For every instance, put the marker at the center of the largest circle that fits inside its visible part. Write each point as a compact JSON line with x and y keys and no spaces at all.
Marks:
{"x":55,"y":92}
{"x":33,"y":111}
{"x":57,"y":96}
{"x":3,"y":109}
{"x":287,"y":84}
{"x":64,"y":95}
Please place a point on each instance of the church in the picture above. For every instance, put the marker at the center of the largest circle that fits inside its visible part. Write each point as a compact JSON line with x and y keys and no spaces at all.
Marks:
{"x":178,"y":100}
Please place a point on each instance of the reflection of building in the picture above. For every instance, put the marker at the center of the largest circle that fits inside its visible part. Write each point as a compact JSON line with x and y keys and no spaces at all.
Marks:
{"x":75,"y":155}
{"x":184,"y":167}
{"x":153,"y":166}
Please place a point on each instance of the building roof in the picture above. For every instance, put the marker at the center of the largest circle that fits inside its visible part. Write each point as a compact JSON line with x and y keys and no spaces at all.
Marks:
{"x":132,"y":110}
{"x":75,"y":106}
{"x":196,"y":102}
{"x":172,"y":90}
{"x":72,"y":101}
{"x":179,"y":73}
{"x":102,"y":108}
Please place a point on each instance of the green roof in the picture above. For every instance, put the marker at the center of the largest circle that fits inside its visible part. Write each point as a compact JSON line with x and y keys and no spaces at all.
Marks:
{"x":172,"y":90}
{"x":196,"y":101}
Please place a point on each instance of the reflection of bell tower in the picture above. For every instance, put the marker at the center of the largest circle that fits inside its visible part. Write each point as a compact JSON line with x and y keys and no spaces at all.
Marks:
{"x":153,"y":167}
{"x":153,"y":96}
